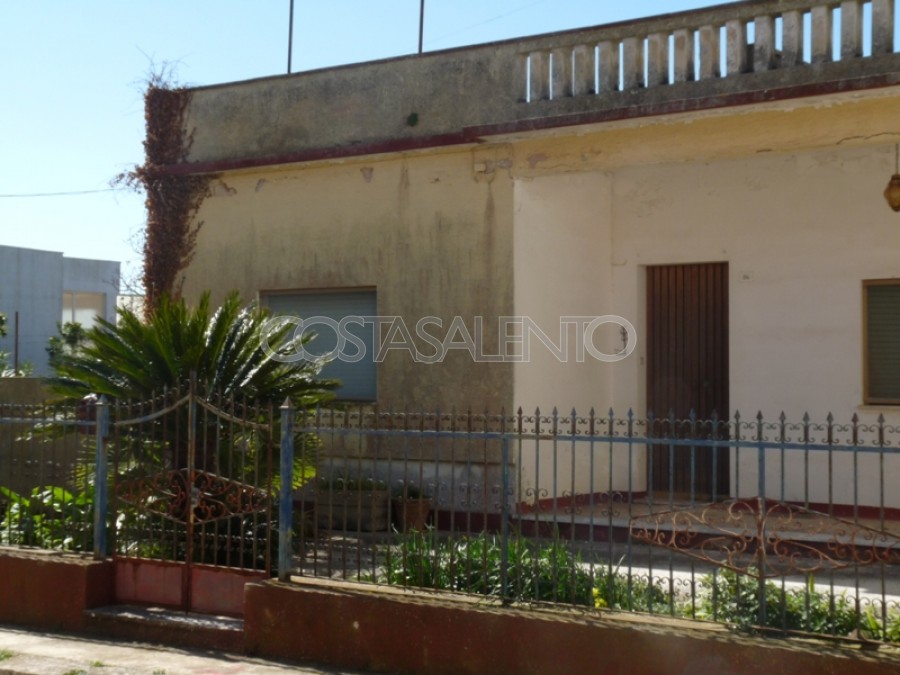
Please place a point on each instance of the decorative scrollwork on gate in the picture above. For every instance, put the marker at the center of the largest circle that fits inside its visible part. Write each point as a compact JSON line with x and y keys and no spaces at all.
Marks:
{"x":170,"y":494}
{"x":764,"y":538}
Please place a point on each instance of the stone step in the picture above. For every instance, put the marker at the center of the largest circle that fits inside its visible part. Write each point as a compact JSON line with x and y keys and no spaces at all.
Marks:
{"x":157,"y":625}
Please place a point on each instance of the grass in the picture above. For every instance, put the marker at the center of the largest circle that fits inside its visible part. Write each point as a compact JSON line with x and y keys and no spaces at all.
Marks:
{"x":5,"y":654}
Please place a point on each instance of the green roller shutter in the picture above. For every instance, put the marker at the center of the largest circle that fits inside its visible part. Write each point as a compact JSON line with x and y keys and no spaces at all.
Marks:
{"x":882,"y":342}
{"x":357,"y":377}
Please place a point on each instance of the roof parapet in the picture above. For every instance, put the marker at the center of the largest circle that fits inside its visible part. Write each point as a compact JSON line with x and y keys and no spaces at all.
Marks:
{"x":732,"y":54}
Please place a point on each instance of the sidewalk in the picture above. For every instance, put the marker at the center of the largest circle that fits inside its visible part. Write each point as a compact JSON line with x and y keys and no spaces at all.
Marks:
{"x":24,"y":652}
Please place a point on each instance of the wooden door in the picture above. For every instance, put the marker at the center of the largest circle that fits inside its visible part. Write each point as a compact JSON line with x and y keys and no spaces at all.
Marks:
{"x":687,"y":371}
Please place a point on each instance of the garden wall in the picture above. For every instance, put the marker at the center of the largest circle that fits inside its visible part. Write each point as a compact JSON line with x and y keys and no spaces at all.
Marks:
{"x":399,"y":631}
{"x":49,"y":590}
{"x":392,"y":630}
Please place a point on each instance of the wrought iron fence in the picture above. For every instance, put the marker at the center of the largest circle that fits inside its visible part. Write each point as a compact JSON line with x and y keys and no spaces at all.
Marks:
{"x":46,"y":482}
{"x":770,"y":525}
{"x":179,"y":477}
{"x":800,"y":531}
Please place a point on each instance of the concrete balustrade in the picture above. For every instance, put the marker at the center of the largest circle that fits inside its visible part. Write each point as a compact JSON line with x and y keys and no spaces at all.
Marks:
{"x":710,"y":44}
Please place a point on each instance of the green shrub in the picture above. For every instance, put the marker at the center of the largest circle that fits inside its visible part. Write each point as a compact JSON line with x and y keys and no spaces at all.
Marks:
{"x":51,"y":517}
{"x":474,"y":564}
{"x":615,"y":590}
{"x":734,"y":598}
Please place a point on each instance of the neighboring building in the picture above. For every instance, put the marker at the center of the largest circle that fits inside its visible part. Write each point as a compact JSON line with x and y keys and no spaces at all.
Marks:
{"x":44,"y":289}
{"x":722,"y":194}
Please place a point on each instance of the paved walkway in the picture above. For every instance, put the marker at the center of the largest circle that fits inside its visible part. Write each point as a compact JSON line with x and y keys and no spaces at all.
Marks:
{"x":32,"y":653}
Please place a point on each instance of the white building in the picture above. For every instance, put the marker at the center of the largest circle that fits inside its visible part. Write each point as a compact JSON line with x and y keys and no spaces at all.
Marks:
{"x":41,"y":289}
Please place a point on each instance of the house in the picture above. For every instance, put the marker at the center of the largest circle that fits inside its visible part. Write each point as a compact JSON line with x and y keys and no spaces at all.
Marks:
{"x":681,"y":213}
{"x":41,"y":289}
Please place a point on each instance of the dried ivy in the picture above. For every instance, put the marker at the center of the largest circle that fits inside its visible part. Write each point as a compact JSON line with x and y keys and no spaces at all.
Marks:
{"x":172,"y":199}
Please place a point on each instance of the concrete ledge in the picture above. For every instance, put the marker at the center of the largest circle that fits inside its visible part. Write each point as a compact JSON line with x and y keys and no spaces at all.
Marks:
{"x":44,"y":589}
{"x":397,"y":631}
{"x":155,"y":625}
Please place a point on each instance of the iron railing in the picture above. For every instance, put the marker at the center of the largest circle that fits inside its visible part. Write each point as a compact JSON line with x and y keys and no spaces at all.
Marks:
{"x":799,"y":533}
{"x":46,"y":481}
{"x":179,"y":477}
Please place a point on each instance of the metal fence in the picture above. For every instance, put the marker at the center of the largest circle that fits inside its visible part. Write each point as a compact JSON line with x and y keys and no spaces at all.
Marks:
{"x":179,"y":477}
{"x":46,"y":478}
{"x":766,"y":525}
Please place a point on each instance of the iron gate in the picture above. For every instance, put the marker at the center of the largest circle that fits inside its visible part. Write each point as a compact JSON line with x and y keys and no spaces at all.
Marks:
{"x":192,"y":485}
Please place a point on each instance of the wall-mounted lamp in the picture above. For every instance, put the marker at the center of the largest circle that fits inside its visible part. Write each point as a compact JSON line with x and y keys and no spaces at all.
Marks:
{"x":892,"y":191}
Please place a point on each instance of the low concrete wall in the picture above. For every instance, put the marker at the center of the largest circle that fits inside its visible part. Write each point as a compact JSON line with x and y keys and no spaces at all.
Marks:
{"x":23,"y":390}
{"x":214,"y":590}
{"x":403,"y":632}
{"x":48,"y":590}
{"x":391,"y":630}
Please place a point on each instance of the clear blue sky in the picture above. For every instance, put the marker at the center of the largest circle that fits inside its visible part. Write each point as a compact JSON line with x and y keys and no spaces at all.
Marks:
{"x":71,"y":108}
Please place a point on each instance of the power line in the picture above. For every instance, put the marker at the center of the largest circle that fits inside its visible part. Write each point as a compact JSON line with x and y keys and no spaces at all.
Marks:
{"x":60,"y":194}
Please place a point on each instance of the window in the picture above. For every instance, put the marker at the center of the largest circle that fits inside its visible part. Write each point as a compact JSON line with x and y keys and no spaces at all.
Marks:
{"x":881,"y":307}
{"x":83,"y":308}
{"x":357,"y":376}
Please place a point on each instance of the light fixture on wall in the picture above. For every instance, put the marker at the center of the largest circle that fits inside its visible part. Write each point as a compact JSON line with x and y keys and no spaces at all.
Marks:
{"x":892,"y":191}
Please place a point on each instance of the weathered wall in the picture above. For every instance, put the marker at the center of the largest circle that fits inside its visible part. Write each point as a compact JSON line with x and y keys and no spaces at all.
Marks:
{"x":432,"y":234}
{"x":800,"y":230}
{"x":23,"y":390}
{"x":455,"y":96}
{"x":26,"y":463}
{"x":43,"y":590}
{"x":401,"y":632}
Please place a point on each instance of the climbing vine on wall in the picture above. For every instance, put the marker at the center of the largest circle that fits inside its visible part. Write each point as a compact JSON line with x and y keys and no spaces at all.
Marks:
{"x":172,"y":198}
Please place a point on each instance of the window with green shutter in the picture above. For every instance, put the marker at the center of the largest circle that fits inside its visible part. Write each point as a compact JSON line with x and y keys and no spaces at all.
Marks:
{"x":881,"y":302}
{"x":356,"y":371}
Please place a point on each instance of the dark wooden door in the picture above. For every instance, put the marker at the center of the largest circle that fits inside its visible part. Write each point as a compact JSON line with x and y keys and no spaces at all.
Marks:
{"x":687,"y":372}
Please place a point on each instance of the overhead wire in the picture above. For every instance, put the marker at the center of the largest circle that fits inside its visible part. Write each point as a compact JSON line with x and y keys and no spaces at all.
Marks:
{"x":59,"y":194}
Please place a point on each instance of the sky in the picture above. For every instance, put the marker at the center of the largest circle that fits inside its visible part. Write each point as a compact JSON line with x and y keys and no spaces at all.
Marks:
{"x":72,"y":76}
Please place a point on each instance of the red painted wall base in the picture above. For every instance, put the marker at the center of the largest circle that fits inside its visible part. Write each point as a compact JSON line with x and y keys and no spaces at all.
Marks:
{"x":406,"y":632}
{"x":50,"y":590}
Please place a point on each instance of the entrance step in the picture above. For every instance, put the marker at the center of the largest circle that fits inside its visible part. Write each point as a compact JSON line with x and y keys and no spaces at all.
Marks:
{"x":166,"y":626}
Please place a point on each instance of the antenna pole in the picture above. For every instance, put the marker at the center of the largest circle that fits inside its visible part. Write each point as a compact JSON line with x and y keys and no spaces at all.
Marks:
{"x":421,"y":23}
{"x":291,"y":34}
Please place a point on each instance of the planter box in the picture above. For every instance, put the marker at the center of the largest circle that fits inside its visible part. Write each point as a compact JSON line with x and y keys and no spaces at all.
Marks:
{"x":352,"y":510}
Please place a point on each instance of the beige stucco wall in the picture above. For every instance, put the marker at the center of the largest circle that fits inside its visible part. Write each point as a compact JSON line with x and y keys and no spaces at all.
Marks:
{"x":431,"y":233}
{"x":564,"y":223}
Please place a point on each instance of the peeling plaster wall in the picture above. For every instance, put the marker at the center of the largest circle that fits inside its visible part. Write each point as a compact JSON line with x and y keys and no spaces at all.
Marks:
{"x":431,"y":233}
{"x":550,"y":224}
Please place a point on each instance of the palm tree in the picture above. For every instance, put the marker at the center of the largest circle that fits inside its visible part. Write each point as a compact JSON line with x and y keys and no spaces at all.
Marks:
{"x":222,"y":349}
